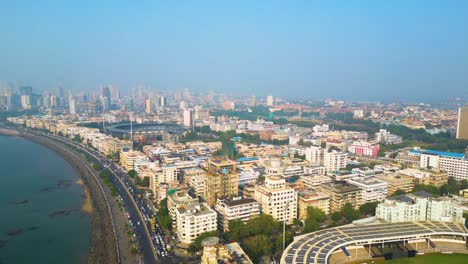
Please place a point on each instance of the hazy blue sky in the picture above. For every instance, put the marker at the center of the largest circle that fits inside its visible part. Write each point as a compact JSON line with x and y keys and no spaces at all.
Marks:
{"x":351,"y":49}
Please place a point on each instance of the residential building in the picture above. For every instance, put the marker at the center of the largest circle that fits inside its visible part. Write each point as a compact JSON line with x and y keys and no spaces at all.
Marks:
{"x":419,"y":207}
{"x":372,"y":189}
{"x":188,"y":117}
{"x":176,"y":199}
{"x":434,"y":177}
{"x":387,"y":138}
{"x":221,"y":180}
{"x":194,"y":220}
{"x":235,"y":208}
{"x":397,"y":182}
{"x":277,"y":199}
{"x":462,"y":124}
{"x":315,"y":199}
{"x":364,"y":148}
{"x":314,"y":154}
{"x":334,"y":160}
{"x":340,"y":193}
{"x":128,"y":156}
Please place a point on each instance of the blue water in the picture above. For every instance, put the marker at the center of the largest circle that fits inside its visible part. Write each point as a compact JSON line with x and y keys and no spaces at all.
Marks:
{"x":40,"y":218}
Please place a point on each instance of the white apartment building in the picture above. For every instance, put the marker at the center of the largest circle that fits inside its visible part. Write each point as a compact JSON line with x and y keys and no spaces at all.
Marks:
{"x":315,"y":180}
{"x":314,"y":154}
{"x":455,"y":164}
{"x":387,"y":138}
{"x":455,"y":167}
{"x":194,"y":220}
{"x":235,"y":208}
{"x":168,"y":174}
{"x":277,"y":199}
{"x":372,"y":189}
{"x":412,"y":207}
{"x":401,"y":209}
{"x":128,"y":157}
{"x":188,"y":117}
{"x":335,"y":160}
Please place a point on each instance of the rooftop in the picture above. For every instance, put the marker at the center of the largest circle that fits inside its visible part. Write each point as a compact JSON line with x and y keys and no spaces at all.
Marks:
{"x":438,"y":153}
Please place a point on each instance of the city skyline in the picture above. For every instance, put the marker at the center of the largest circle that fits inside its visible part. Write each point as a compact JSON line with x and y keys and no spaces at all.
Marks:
{"x":369,"y":51}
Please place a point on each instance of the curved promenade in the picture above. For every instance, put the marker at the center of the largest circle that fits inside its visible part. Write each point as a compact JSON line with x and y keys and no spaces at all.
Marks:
{"x":103,"y":239}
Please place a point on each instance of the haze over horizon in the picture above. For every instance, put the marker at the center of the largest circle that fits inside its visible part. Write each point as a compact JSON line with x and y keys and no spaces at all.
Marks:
{"x":368,"y":50}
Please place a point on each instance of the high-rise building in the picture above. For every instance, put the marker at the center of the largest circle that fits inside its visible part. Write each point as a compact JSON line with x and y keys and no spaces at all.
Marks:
{"x":462,"y":124}
{"x":148,"y":106}
{"x":25,"y":101}
{"x":334,"y":160}
{"x":269,"y":100}
{"x":162,"y":101}
{"x":72,"y":106}
{"x":188,"y":117}
{"x":221,"y":180}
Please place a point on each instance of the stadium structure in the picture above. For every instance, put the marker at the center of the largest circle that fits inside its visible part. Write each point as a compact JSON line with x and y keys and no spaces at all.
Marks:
{"x":358,"y":242}
{"x":147,"y":132}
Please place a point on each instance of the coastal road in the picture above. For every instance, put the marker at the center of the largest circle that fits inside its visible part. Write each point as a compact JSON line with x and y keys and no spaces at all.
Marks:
{"x":147,"y":249}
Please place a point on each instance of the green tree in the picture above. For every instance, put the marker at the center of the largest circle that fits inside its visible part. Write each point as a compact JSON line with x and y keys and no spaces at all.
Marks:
{"x":336,"y":216}
{"x":313,"y":219}
{"x":237,"y":230}
{"x":426,"y":188}
{"x":132,"y":174}
{"x":258,"y":246}
{"x":368,"y":208}
{"x":163,"y":215}
{"x":349,"y":213}
{"x":398,"y":192}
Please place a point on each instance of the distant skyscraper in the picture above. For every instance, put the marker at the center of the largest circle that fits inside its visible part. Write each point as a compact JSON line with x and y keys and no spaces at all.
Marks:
{"x":105,"y":98}
{"x":72,"y":106}
{"x":269,"y":100}
{"x":188,"y":117}
{"x":25,"y":101}
{"x":148,"y":106}
{"x":462,"y":124}
{"x":182,"y":105}
{"x":162,"y":101}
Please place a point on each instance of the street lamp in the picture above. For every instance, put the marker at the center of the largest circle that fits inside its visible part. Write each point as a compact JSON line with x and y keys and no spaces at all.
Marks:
{"x":284,"y":225}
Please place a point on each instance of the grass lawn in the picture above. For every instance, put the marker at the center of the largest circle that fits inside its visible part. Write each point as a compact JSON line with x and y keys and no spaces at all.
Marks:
{"x":432,"y":259}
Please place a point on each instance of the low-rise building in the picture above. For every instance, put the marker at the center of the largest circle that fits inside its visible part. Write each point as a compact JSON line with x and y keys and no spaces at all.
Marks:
{"x":397,"y":182}
{"x":372,"y":189}
{"x":419,"y":207}
{"x":235,"y":208}
{"x":128,"y":156}
{"x":429,"y":177}
{"x":315,"y":199}
{"x":341,"y":193}
{"x":194,"y":220}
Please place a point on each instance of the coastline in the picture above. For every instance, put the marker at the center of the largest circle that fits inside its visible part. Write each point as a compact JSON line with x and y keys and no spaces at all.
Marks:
{"x":102,"y":245}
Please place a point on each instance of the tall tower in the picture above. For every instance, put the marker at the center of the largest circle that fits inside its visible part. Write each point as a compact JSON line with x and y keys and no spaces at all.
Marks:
{"x":148,"y":106}
{"x":72,"y":106}
{"x":188,"y":117}
{"x":269,"y":100}
{"x":462,"y":124}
